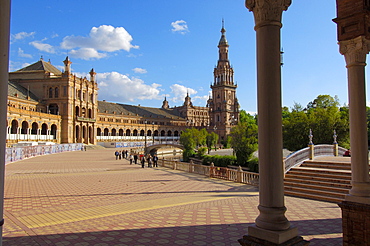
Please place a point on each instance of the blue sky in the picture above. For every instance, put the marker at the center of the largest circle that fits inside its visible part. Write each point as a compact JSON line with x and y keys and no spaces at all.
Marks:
{"x":144,"y":50}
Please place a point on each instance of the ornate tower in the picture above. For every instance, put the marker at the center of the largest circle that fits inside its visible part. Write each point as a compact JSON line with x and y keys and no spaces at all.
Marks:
{"x":223,"y":107}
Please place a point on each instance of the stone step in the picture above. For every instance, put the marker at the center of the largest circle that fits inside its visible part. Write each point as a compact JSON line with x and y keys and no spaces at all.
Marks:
{"x":327,"y":173}
{"x":317,"y":178}
{"x":310,"y":192}
{"x":335,"y":166}
{"x":313,"y":196}
{"x":317,"y":187}
{"x":346,"y":184}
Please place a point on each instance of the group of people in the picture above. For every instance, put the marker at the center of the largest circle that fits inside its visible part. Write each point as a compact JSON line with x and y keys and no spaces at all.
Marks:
{"x":121,"y":154}
{"x":124,"y":154}
{"x":151,"y":160}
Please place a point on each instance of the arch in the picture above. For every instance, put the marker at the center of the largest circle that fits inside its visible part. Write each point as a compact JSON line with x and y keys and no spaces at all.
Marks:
{"x":89,"y":114}
{"x":134,"y":133}
{"x":120,"y":132}
{"x":176,"y":133}
{"x":114,"y":131}
{"x":156,"y":133}
{"x":14,"y":127}
{"x":24,"y":129}
{"x":98,"y":131}
{"x":106,"y":131}
{"x":169,"y":133}
{"x":53,"y":131}
{"x":142,"y":133}
{"x":163,"y":133}
{"x":149,"y":133}
{"x":77,"y":111}
{"x":44,"y":129}
{"x":128,"y":132}
{"x":53,"y":109}
{"x":35,"y":128}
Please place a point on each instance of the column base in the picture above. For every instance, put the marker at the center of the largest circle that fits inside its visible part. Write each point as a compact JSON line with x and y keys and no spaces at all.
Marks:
{"x":355,"y":223}
{"x":258,"y":236}
{"x":253,"y":241}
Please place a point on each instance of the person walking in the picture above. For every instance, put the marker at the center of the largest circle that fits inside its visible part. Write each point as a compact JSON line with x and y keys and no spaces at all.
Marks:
{"x":131,"y":159}
{"x":143,"y":162}
{"x":135,"y":158}
{"x":117,"y":154}
{"x":155,"y":161}
{"x":149,"y":159}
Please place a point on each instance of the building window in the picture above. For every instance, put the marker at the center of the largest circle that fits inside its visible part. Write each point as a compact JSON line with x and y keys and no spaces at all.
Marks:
{"x":56,"y":92}
{"x":50,"y":92}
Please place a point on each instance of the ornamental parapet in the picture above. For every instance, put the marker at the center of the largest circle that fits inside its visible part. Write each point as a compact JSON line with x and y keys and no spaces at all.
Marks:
{"x":86,"y":119}
{"x":30,"y":113}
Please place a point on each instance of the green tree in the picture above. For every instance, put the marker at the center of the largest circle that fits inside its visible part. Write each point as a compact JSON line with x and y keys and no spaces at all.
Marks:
{"x":244,"y":140}
{"x":211,"y":140}
{"x":189,"y":143}
{"x":324,"y":101}
{"x":322,"y":116}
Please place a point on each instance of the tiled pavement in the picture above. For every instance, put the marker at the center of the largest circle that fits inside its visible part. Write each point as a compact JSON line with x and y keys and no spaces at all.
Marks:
{"x":89,"y":198}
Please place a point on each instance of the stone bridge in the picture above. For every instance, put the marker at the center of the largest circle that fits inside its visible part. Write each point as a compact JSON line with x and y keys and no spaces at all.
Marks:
{"x":154,"y":147}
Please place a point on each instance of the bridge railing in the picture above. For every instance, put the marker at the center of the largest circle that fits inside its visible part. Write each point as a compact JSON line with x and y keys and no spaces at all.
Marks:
{"x":236,"y":175}
{"x":298,"y":157}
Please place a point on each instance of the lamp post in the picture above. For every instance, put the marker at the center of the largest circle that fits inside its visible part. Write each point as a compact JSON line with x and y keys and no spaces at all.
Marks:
{"x":153,"y":131}
{"x":214,"y":129}
{"x":145,"y":133}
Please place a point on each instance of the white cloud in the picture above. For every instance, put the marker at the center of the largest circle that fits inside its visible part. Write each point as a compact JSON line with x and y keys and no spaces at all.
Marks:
{"x":121,"y":88}
{"x":179,"y":92}
{"x":13,"y":66}
{"x":43,"y":47}
{"x":103,"y":38}
{"x":22,"y":54}
{"x":139,"y":70}
{"x":21,"y":35}
{"x":86,"y":54}
{"x":180,"y":26}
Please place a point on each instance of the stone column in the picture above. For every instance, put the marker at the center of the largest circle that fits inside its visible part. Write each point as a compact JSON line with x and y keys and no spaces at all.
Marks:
{"x":355,"y":51}
{"x":271,"y":225}
{"x":4,"y":73}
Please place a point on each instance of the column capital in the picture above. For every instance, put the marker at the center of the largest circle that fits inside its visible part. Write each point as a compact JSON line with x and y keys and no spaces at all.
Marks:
{"x":355,"y":50}
{"x":267,"y":12}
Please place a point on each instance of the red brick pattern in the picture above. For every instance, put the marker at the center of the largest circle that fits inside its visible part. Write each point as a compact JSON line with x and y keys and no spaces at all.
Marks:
{"x":89,"y":198}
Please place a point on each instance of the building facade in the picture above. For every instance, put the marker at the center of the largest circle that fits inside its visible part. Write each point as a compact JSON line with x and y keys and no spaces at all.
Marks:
{"x":48,"y":105}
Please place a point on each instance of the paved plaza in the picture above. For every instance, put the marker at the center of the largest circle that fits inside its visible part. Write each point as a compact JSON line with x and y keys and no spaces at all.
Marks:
{"x":89,"y":198}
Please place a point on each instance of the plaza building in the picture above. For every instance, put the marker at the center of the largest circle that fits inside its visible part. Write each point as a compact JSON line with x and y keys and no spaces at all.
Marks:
{"x":46,"y":105}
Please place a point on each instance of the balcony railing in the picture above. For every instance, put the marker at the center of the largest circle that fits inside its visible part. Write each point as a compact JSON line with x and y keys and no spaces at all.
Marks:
{"x":86,"y":119}
{"x":29,"y":137}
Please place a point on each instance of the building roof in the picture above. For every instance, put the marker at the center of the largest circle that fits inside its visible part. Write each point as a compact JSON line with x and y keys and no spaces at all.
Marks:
{"x":41,"y":65}
{"x":16,"y":90}
{"x":117,"y":108}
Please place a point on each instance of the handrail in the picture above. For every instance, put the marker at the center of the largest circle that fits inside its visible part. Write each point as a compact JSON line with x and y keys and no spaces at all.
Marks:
{"x":298,"y":157}
{"x":239,"y":175}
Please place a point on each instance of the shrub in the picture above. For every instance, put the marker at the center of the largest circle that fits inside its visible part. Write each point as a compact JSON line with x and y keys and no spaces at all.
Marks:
{"x":201,"y":151}
{"x":186,"y":154}
{"x":253,"y":165}
{"x":219,"y":161}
